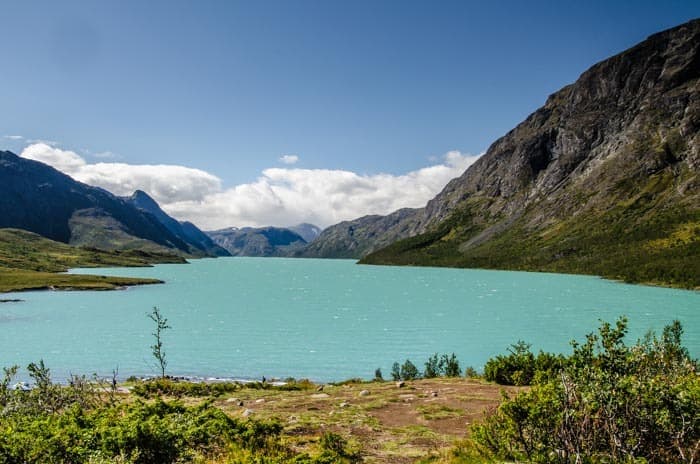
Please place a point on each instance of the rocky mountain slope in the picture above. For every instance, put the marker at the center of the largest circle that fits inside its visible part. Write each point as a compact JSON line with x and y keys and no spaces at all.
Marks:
{"x":308,"y":232}
{"x":603,"y":179}
{"x":199,"y":242}
{"x":263,"y":241}
{"x":356,"y":238}
{"x":38,"y":198}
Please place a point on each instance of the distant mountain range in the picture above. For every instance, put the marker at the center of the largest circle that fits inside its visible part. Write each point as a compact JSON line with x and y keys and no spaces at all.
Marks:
{"x":265,"y":241}
{"x":38,"y":198}
{"x":603,"y":179}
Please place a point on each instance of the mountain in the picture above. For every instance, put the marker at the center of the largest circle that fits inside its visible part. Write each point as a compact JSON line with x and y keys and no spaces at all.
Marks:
{"x":603,"y":179}
{"x":38,"y":198}
{"x":263,"y":241}
{"x":199,"y":243}
{"x":356,"y":238}
{"x":308,"y":232}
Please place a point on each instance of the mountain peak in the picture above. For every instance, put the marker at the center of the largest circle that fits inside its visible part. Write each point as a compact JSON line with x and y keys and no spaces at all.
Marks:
{"x":143,"y":200}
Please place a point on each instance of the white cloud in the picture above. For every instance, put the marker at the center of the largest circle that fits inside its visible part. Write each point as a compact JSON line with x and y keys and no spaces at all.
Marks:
{"x":13,"y":137}
{"x":289,"y":159}
{"x":63,"y":160}
{"x":165,"y":183}
{"x":285,"y":196}
{"x":280,"y":196}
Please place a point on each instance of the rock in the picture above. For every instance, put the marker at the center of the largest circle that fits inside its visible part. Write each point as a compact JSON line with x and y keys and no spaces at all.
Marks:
{"x":434,"y":394}
{"x":318,"y":396}
{"x":248,"y":412}
{"x":233,"y":400}
{"x":261,"y":400}
{"x":364,"y":393}
{"x":344,"y":404}
{"x":319,"y":388}
{"x":400,"y":384}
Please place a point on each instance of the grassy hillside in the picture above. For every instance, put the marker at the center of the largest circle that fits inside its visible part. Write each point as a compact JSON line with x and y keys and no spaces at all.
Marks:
{"x":29,"y":261}
{"x":638,"y":238}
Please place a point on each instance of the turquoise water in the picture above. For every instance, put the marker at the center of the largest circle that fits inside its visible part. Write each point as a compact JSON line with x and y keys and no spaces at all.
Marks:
{"x":322,"y":319}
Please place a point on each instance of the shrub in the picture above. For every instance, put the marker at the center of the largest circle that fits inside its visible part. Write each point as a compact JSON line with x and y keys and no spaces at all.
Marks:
{"x":432,"y":367}
{"x":522,"y":367}
{"x":450,"y":366}
{"x":409,"y":371}
{"x":396,"y":371}
{"x":442,"y":366}
{"x":610,"y":403}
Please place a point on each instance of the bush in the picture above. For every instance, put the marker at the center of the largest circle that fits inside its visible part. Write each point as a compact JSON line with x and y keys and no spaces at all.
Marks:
{"x":610,"y":403}
{"x":442,"y":366}
{"x":75,"y":423}
{"x":396,"y":371}
{"x":178,"y":389}
{"x":522,"y":367}
{"x":409,"y":371}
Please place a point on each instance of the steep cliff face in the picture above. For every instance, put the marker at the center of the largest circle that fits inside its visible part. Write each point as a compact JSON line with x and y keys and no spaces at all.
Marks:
{"x":630,"y":116}
{"x":602,"y":179}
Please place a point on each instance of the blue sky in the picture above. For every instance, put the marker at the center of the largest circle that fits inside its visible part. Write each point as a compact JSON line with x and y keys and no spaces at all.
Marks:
{"x":230,"y":87}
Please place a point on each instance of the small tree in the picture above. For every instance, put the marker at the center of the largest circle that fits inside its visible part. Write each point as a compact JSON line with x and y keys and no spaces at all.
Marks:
{"x":432,"y":367}
{"x":409,"y":371}
{"x":450,"y":366}
{"x":157,"y":348}
{"x":396,"y":371}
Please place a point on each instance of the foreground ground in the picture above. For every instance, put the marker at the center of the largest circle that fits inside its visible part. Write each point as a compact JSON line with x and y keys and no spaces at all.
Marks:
{"x":385,"y":423}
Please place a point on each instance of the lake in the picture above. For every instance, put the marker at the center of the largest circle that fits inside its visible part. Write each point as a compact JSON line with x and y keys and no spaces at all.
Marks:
{"x":322,"y":319}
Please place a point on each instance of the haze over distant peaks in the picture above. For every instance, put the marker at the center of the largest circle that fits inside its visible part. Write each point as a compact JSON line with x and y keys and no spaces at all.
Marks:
{"x":265,"y":241}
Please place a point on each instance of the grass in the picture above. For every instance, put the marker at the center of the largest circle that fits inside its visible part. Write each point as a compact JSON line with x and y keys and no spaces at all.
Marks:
{"x":438,"y":411}
{"x":640,"y":236}
{"x":13,"y":280}
{"x":31,"y":262}
{"x":389,"y":425}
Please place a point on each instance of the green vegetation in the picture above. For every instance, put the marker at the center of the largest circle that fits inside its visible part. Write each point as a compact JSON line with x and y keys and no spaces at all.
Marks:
{"x":443,"y":366}
{"x":184,"y":388}
{"x":31,"y":262}
{"x":435,"y":366}
{"x":157,"y":348}
{"x":12,"y":280}
{"x":406,"y":371}
{"x":633,"y":242}
{"x":521,"y":366}
{"x":84,"y":422}
{"x":609,"y":403}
